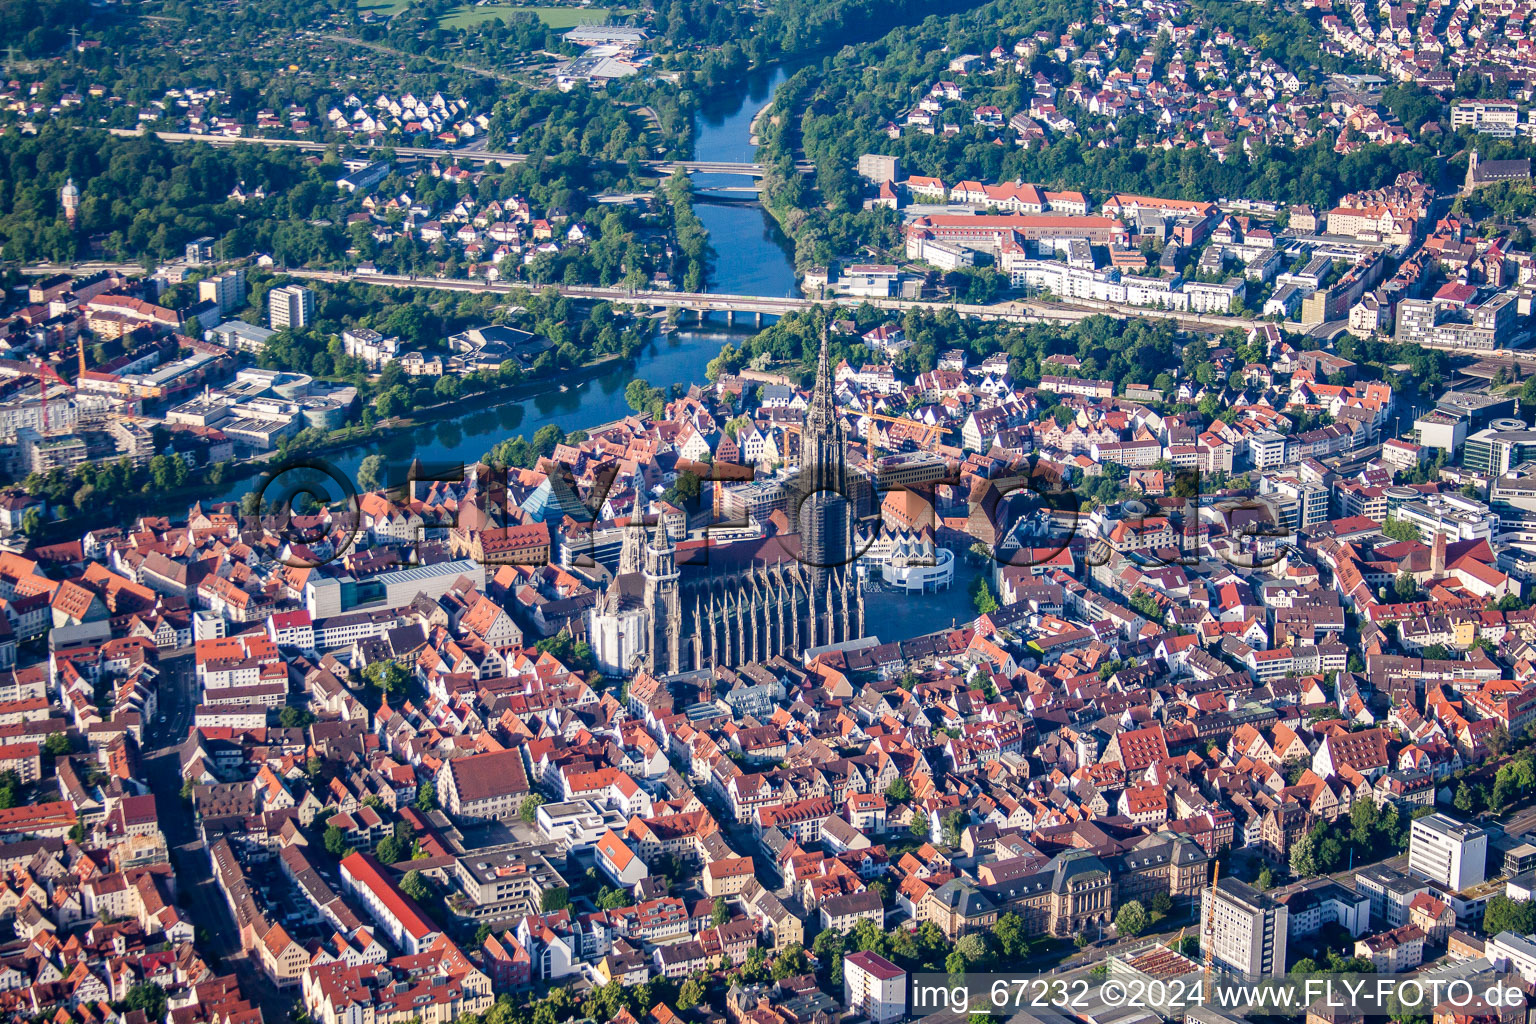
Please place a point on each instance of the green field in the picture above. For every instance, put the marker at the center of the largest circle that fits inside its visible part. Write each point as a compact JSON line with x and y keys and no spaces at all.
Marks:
{"x":469,"y":15}
{"x":383,"y":8}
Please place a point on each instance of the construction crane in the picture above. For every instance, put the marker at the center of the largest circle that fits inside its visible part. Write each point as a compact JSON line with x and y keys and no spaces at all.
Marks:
{"x":1205,"y":928}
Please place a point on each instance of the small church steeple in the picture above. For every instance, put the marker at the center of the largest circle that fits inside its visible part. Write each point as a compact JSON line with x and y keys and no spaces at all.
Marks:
{"x":630,"y":557}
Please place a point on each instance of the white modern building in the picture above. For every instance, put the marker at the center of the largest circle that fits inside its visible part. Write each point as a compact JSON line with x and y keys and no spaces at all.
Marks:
{"x":1243,"y":930}
{"x":1508,"y":951}
{"x":577,"y":824}
{"x":910,"y":562}
{"x":1447,"y":852}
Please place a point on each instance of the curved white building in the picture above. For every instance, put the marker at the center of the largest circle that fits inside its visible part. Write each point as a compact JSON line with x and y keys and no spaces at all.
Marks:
{"x":909,"y":561}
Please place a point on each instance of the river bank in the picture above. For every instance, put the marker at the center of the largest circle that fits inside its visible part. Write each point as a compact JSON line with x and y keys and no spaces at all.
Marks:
{"x":752,"y":257}
{"x":356,"y":435}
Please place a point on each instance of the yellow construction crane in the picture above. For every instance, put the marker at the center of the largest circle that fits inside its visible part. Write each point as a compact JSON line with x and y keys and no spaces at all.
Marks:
{"x":1205,"y":939}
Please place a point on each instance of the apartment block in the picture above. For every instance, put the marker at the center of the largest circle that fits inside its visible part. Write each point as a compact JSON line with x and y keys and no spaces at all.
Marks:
{"x":291,"y":306}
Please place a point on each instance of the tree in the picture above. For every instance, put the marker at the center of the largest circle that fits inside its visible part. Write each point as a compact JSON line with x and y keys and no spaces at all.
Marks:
{"x":555,"y":899}
{"x":1146,"y":606}
{"x":388,"y":676}
{"x":415,"y":885}
{"x":690,"y":994}
{"x":57,"y":744}
{"x":335,"y":841}
{"x":370,"y":473}
{"x":1503,"y":914}
{"x":1304,"y":856}
{"x":32,"y":523}
{"x":390,"y":850}
{"x":149,"y":997}
{"x":982,"y":597}
{"x":721,"y":912}
{"x":640,"y":396}
{"x":1162,"y":904}
{"x":1497,"y":740}
{"x":528,"y":810}
{"x":1362,"y":821}
{"x":954,"y":824}
{"x":1466,"y":800}
{"x":789,"y":963}
{"x":899,"y":789}
{"x":685,"y":489}
{"x":609,"y":898}
{"x":973,"y":947}
{"x":1009,"y":933}
{"x":426,"y":796}
{"x":1081,"y":940}
{"x":1132,"y":919}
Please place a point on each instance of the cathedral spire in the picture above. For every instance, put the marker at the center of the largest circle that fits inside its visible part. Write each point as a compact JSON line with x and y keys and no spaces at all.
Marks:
{"x":821,"y":410}
{"x":661,"y":540}
{"x":821,"y":438}
{"x":630,"y":555}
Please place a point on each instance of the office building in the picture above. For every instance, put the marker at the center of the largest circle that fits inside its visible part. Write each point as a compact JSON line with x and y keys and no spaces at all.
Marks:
{"x":200,"y":250}
{"x":1316,"y":902}
{"x":876,"y":167}
{"x":1459,"y":321}
{"x":875,"y":987}
{"x":1481,"y":114}
{"x":1391,"y":894}
{"x":1494,"y":452}
{"x":290,"y":306}
{"x":1447,"y":852}
{"x":1512,"y":952}
{"x":1440,"y":429}
{"x":1243,"y":930}
{"x":1455,"y":515}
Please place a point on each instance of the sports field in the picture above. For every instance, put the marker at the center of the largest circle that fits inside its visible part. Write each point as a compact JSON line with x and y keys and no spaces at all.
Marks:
{"x":470,"y":15}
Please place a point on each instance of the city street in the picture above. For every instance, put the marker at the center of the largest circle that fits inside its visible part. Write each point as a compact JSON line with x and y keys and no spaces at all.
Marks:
{"x":218,"y":934}
{"x":177,"y":700}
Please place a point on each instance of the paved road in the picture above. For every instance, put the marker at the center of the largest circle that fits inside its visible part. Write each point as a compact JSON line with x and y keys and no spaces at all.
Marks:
{"x":197,"y":892}
{"x":177,"y":701}
{"x":1019,"y":311}
{"x":1015,"y":311}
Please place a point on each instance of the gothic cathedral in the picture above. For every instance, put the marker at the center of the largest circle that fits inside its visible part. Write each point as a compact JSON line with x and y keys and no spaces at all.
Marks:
{"x":746,"y":601}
